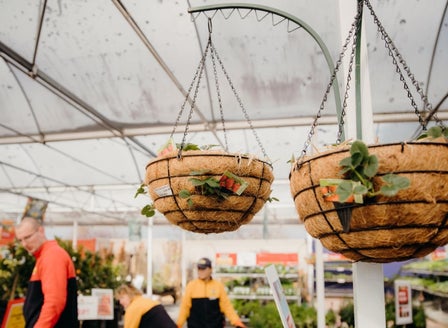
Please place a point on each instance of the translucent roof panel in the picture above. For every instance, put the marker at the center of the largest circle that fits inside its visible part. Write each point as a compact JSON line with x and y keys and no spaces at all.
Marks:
{"x":89,"y":91}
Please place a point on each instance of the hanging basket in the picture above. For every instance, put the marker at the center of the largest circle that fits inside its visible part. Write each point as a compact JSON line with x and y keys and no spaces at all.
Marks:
{"x":385,"y":229}
{"x":168,"y":175}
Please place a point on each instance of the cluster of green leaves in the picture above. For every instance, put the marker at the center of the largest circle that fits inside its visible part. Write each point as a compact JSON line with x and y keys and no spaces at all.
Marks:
{"x":190,"y":146}
{"x":93,"y":270}
{"x":207,"y":186}
{"x":16,"y":265}
{"x":434,"y":132}
{"x":263,"y":314}
{"x":358,"y":170}
{"x":148,"y":210}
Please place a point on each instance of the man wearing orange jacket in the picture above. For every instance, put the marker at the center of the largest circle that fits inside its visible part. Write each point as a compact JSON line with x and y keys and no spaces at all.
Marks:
{"x":205,"y":303}
{"x":51,"y":298}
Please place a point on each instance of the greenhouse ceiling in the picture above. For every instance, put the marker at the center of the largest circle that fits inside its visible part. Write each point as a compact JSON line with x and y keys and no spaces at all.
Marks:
{"x":90,"y":90}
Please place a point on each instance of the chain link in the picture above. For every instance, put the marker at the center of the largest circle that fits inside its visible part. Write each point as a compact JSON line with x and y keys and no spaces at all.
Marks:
{"x":353,"y":29}
{"x":197,"y":79}
{"x":218,"y":93}
{"x":397,"y":60}
{"x":246,"y":116}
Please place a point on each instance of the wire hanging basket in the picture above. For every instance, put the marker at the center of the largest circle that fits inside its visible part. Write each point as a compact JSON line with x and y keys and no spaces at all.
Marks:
{"x":409,"y":224}
{"x":208,"y":190}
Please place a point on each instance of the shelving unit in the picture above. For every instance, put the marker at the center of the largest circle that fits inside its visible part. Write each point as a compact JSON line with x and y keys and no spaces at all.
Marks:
{"x":338,"y":279}
{"x":429,"y":282}
{"x":250,"y":283}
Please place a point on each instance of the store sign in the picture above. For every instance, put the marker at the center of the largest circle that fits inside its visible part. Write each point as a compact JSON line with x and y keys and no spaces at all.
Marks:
{"x":7,"y":233}
{"x":87,"y":307}
{"x":288,"y":259}
{"x":99,"y":306}
{"x":225,"y":259}
{"x":403,"y":302}
{"x":13,"y":317}
{"x":279,"y":297}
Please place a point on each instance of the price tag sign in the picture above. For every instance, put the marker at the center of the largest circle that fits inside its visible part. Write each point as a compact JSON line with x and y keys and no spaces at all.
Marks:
{"x":403,"y":302}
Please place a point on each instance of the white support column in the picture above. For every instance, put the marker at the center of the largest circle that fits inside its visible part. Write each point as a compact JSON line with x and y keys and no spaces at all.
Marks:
{"x":368,"y":293}
{"x":149,"y":259}
{"x":320,"y":286}
{"x":368,"y":278}
{"x":183,"y":266}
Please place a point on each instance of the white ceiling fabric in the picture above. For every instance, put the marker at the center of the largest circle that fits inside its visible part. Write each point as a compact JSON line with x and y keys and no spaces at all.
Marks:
{"x":88,"y":97}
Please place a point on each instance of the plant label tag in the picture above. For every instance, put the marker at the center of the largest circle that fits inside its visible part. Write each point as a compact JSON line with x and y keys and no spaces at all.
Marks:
{"x":168,"y":147}
{"x":163,"y":191}
{"x":233,"y":183}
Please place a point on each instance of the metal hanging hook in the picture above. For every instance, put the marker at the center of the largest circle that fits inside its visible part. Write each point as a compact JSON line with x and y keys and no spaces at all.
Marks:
{"x":210,"y":26}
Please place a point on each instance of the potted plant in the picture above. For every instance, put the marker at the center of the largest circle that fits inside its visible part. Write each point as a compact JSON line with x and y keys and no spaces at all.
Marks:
{"x":204,"y":190}
{"x":404,"y":189}
{"x":358,"y":170}
{"x":391,"y":212}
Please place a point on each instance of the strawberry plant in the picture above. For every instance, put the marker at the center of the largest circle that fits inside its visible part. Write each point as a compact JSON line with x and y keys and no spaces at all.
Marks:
{"x":358,"y":170}
{"x":208,"y":187}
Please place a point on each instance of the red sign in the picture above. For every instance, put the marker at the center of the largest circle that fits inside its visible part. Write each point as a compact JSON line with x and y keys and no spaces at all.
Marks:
{"x":226,"y":259}
{"x":277,"y":258}
{"x":7,"y":233}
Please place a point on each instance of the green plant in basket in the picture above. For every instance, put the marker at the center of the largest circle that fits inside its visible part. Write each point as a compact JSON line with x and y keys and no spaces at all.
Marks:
{"x":148,"y":210}
{"x":226,"y":185}
{"x":358,"y":171}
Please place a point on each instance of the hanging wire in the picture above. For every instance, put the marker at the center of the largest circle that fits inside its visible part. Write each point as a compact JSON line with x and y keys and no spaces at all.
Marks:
{"x":397,"y":60}
{"x":218,"y":93}
{"x":353,"y":29}
{"x":214,"y":56}
{"x":197,"y":78}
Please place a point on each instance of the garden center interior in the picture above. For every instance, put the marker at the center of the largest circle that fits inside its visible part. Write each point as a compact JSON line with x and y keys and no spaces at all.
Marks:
{"x":91,"y":91}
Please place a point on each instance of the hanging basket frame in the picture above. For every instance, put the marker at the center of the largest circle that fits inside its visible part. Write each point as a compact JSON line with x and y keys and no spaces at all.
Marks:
{"x":385,"y":229}
{"x":167,"y":176}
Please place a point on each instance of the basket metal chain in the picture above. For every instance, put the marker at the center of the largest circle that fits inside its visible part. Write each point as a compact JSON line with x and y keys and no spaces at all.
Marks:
{"x":218,"y":93}
{"x":397,"y":60}
{"x":351,"y":35}
{"x":197,"y":79}
{"x":240,"y":103}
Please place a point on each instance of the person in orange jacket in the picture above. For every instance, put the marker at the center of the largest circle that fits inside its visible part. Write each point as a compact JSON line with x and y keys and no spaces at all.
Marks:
{"x":51,"y":298}
{"x":205,"y":303}
{"x":141,"y":311}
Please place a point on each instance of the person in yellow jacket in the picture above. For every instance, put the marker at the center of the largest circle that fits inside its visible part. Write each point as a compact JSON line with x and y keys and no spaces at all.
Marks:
{"x":140,"y":311}
{"x":205,"y":303}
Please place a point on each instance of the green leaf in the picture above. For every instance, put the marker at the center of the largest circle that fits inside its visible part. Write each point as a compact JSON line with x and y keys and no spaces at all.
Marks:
{"x":344,"y":190}
{"x":140,"y":190}
{"x":188,"y":146}
{"x":359,"y":147}
{"x":148,"y":210}
{"x":357,"y":159}
{"x":212,"y":182}
{"x":394,"y":183}
{"x":184,"y":194}
{"x":197,"y":182}
{"x":371,"y":168}
{"x":346,"y":162}
{"x":190,"y":202}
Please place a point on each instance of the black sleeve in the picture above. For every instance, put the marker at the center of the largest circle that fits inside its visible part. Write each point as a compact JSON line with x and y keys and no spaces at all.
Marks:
{"x":157,"y":317}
